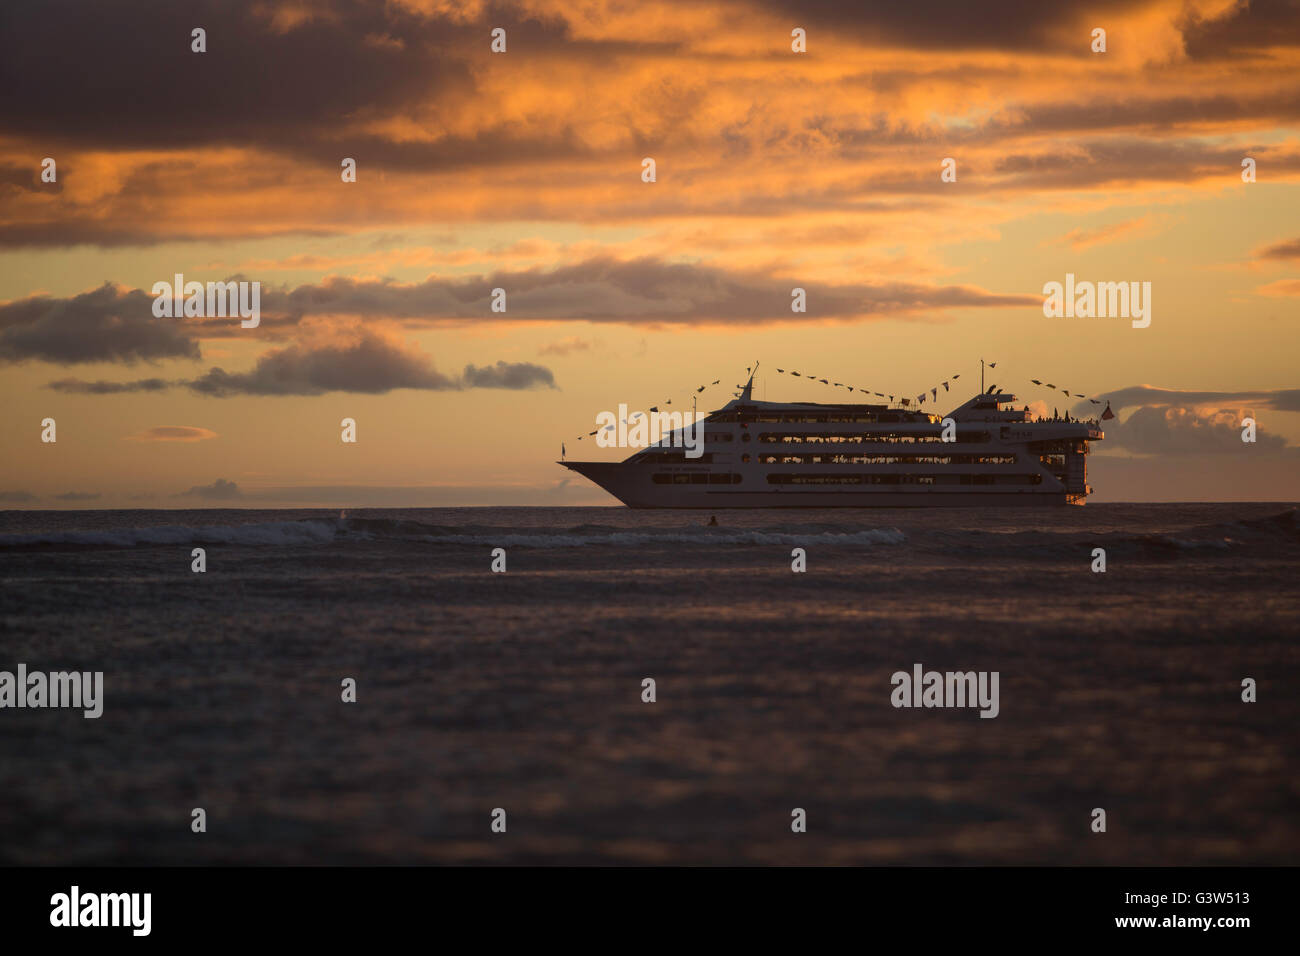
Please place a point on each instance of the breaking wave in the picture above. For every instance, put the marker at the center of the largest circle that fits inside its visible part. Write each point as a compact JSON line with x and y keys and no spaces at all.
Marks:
{"x":1277,"y":532}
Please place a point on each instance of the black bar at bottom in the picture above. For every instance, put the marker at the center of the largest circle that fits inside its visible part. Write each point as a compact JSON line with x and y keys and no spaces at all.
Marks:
{"x":331,"y":905}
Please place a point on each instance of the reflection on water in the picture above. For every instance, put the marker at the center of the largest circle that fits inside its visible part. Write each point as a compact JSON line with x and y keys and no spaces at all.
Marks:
{"x":523,"y":690}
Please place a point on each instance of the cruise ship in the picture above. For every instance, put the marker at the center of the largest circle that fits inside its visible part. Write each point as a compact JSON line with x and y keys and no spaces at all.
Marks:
{"x":760,"y":454}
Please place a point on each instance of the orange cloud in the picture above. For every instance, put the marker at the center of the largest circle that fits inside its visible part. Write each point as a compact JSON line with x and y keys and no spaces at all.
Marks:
{"x":169,"y":433}
{"x":1282,"y":287}
{"x":1078,"y":239}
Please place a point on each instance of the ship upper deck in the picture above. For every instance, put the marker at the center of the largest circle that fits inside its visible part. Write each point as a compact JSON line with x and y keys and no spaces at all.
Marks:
{"x":983,"y":408}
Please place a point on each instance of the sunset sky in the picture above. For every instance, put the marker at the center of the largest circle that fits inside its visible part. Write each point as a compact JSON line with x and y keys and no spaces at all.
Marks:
{"x":523,"y":170}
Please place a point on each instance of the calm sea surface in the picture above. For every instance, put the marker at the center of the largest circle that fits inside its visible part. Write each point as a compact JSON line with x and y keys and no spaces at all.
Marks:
{"x":522,"y":690}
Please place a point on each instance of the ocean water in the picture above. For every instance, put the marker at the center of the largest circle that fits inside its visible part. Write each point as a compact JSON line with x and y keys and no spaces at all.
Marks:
{"x":522,"y":691}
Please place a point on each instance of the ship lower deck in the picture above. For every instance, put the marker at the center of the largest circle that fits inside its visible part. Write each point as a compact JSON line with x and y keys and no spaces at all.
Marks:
{"x":633,"y":487}
{"x":840,"y":499}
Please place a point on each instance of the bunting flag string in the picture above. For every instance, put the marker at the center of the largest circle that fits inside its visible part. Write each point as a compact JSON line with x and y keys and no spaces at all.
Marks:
{"x":1063,"y":390}
{"x":947,"y":387}
{"x":906,"y":402}
{"x":919,"y":400}
{"x":1106,"y":414}
{"x":635,"y":415}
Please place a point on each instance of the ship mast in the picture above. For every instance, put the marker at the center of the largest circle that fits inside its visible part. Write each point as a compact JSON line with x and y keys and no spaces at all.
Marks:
{"x":746,"y":394}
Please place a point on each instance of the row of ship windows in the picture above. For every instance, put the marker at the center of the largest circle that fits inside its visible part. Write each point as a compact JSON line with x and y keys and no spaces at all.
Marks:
{"x":731,"y":478}
{"x":813,"y":438}
{"x":945,"y":479}
{"x":836,"y":438}
{"x":1060,"y":446}
{"x":862,"y":418}
{"x":883,"y":459}
{"x":706,"y":458}
{"x":697,"y":478}
{"x":673,"y":458}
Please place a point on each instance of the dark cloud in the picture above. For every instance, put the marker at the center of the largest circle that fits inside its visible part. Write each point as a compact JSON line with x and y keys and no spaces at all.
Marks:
{"x":1286,"y":250}
{"x":604,"y":289}
{"x":77,"y":386}
{"x":219,"y":490}
{"x":1243,"y":30}
{"x":78,"y":496}
{"x":1033,"y":26}
{"x":26,"y":179}
{"x":1147,"y":111}
{"x":106,"y":324}
{"x":508,"y":375}
{"x":1131,"y":160}
{"x":126,"y":77}
{"x":1118,"y":124}
{"x":110,"y":324}
{"x":1278,"y":399}
{"x":371,"y":364}
{"x":16,"y":497}
{"x":949,"y":24}
{"x":306,"y":85}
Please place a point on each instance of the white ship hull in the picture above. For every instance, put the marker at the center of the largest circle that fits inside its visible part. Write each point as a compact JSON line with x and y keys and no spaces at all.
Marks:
{"x":637,"y":491}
